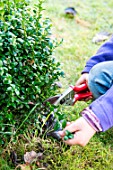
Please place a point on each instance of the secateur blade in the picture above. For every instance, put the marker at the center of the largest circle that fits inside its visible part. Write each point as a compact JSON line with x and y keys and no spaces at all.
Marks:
{"x":66,"y":98}
{"x":52,"y":99}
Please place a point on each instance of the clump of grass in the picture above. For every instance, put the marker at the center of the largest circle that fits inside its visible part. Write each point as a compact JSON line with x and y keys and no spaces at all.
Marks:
{"x":4,"y":165}
{"x":58,"y":156}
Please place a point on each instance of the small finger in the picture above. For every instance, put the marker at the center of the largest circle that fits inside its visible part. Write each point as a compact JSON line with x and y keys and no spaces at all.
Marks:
{"x":68,"y":123}
{"x":73,"y":141}
{"x":72,"y":127}
{"x":61,"y":133}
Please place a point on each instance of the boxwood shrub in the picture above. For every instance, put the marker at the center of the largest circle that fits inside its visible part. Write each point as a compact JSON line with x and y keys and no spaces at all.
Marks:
{"x":27,"y":66}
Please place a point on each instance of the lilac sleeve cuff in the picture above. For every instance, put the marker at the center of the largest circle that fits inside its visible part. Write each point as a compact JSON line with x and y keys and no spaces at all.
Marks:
{"x":91,"y":118}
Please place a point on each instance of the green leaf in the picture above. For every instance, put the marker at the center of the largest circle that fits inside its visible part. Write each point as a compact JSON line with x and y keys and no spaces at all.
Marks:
{"x":17,"y":92}
{"x":65,"y":137}
{"x":64,"y":122}
{"x":50,"y":44}
{"x":71,"y":136}
{"x":57,"y":125}
{"x":61,"y":116}
{"x":9,"y":89}
{"x":20,"y":40}
{"x":1,"y":63}
{"x":67,"y":132}
{"x":7,"y":79}
{"x":38,"y":90}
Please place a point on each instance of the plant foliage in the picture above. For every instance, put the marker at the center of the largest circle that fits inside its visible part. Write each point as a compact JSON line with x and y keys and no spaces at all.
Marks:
{"x":27,"y":68}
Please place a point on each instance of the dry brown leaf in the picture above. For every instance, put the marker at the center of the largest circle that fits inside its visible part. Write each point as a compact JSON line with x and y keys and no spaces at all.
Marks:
{"x":82,"y":22}
{"x":29,"y":157}
{"x":24,"y":167}
{"x":31,"y":62}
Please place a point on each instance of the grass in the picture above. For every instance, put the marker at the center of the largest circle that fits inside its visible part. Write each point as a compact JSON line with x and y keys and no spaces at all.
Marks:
{"x":77,"y":33}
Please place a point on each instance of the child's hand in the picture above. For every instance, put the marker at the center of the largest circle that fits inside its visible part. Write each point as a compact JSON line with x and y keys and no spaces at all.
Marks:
{"x":82,"y":79}
{"x":83,"y":132}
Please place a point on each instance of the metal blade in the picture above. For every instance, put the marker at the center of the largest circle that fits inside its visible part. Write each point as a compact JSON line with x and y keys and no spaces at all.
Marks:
{"x":66,"y":98}
{"x":53,"y":99}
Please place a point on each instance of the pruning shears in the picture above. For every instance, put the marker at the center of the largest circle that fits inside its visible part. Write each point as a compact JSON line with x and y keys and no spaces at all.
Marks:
{"x":70,"y":96}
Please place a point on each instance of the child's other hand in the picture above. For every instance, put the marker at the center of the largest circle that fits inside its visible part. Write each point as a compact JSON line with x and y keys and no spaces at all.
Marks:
{"x":82,"y":131}
{"x":82,"y":79}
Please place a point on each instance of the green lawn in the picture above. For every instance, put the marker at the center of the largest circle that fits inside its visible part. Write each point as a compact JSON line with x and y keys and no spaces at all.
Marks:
{"x":77,"y":33}
{"x":77,"y":47}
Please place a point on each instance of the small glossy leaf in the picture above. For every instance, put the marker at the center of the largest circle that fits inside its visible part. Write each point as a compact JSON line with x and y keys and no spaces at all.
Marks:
{"x":57,"y":126}
{"x":71,"y":136}
{"x":64,"y":122}
{"x":67,"y":132}
{"x":1,"y":63}
{"x":65,"y":137}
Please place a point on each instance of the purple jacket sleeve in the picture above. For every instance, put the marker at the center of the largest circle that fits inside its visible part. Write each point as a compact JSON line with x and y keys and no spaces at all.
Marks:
{"x":103,"y":109}
{"x":105,"y":53}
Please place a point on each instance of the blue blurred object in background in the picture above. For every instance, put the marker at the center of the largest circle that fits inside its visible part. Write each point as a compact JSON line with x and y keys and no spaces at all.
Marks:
{"x":70,"y":11}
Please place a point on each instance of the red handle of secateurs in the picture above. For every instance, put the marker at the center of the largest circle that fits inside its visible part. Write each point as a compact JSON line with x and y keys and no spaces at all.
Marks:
{"x":81,"y":96}
{"x":82,"y":92}
{"x":80,"y":88}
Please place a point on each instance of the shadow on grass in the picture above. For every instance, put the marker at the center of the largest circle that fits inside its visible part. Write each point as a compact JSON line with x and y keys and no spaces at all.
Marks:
{"x":106,"y":137}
